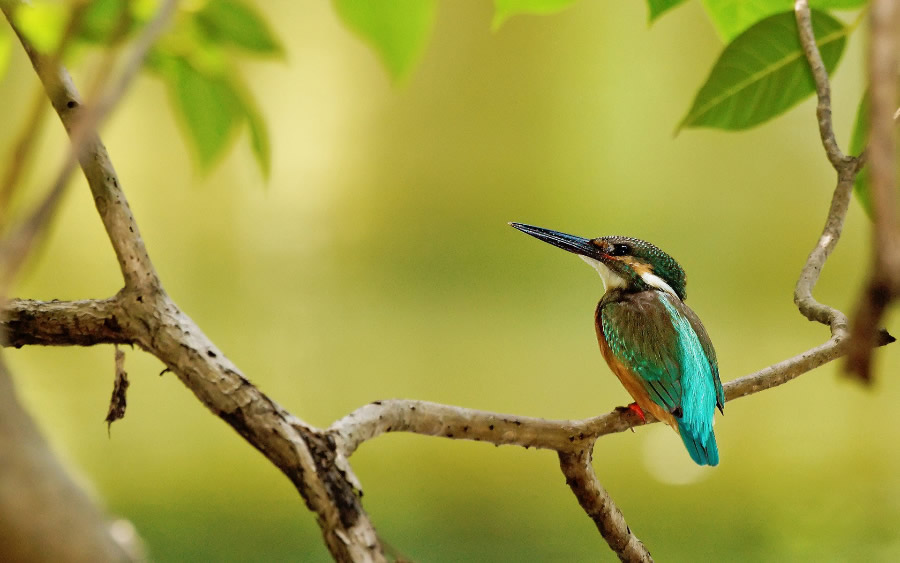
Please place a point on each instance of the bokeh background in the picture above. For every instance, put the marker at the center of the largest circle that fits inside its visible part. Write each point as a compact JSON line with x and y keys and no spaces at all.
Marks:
{"x":377,"y":263}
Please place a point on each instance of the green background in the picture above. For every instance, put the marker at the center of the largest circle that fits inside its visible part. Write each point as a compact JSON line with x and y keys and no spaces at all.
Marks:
{"x":377,"y":263}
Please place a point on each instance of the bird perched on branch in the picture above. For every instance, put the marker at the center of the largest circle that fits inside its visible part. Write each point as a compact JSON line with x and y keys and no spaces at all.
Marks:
{"x":653,"y":342}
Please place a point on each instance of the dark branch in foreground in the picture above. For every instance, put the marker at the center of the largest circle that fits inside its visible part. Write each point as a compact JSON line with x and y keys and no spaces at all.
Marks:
{"x":884,"y":281}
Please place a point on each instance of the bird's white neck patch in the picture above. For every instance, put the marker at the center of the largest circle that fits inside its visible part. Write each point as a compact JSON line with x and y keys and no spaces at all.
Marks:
{"x":655,"y":281}
{"x":613,"y":280}
{"x":610,"y":279}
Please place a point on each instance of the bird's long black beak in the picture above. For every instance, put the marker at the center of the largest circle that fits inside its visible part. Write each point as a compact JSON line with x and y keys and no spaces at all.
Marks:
{"x":576,"y":245}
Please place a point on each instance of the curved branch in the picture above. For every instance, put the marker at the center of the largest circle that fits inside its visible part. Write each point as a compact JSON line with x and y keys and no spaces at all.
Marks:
{"x":823,"y":88}
{"x":597,"y":503}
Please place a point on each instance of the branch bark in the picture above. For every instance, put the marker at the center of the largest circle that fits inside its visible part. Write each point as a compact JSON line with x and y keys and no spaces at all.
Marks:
{"x":599,"y":506}
{"x":45,"y":515}
{"x":884,"y":282}
{"x":144,"y":312}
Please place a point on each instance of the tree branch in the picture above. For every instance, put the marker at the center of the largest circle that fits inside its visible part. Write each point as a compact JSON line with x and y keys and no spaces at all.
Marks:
{"x":597,"y":503}
{"x":62,"y":323}
{"x":884,"y":282}
{"x":316,"y":460}
{"x":153,"y":321}
{"x":823,"y":87}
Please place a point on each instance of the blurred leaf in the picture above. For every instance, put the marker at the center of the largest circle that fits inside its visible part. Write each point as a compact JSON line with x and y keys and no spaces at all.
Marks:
{"x":259,"y":135}
{"x":42,"y":23}
{"x":207,"y":105}
{"x":105,"y":21}
{"x":731,"y":17}
{"x":505,"y":9}
{"x":5,"y":51}
{"x":763,"y":72}
{"x":211,"y":102}
{"x":858,"y":143}
{"x":659,"y":7}
{"x":236,"y":23}
{"x":398,"y":30}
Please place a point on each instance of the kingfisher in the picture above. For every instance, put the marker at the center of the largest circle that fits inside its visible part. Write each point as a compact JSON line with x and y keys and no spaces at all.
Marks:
{"x":653,"y":342}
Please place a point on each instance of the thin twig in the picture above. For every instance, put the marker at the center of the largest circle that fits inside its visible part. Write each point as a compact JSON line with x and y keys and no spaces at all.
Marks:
{"x":823,"y":88}
{"x":29,"y":133}
{"x":17,"y":245}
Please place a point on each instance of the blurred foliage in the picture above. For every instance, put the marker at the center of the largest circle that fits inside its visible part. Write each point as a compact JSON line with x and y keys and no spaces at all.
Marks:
{"x":505,"y":9}
{"x":761,"y":73}
{"x":196,"y":60}
{"x":397,"y":30}
{"x":857,"y":143}
{"x":731,"y":18}
{"x":659,"y":7}
{"x":378,"y":263}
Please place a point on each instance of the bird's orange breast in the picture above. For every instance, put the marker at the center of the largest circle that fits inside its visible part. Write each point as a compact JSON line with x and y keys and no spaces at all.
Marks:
{"x":630,"y":381}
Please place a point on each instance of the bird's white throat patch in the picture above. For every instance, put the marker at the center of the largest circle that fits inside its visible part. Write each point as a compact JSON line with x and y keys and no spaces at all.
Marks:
{"x":610,"y":279}
{"x":613,"y":280}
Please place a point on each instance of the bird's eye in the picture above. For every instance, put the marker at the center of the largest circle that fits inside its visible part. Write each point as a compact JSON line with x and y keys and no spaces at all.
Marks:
{"x":618,"y":250}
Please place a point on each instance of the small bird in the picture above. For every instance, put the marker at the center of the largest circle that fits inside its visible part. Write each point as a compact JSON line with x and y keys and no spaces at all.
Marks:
{"x":653,"y":342}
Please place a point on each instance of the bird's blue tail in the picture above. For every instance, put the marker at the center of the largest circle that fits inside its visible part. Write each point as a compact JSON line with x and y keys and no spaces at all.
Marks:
{"x":703,"y":452}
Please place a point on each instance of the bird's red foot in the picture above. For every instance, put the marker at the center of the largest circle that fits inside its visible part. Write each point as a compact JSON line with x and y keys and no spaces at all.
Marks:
{"x":636,"y":409}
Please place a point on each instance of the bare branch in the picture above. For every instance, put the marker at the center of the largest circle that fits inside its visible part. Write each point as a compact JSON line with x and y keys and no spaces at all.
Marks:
{"x":121,"y":228}
{"x":153,"y":321}
{"x":597,"y":503}
{"x":809,"y":275}
{"x":884,"y":283}
{"x":82,"y":132}
{"x":823,"y":88}
{"x":62,"y":323}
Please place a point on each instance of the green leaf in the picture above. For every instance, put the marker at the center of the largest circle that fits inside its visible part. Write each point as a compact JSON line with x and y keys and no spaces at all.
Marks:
{"x":236,"y":23}
{"x":207,"y":105}
{"x":505,"y":9}
{"x":857,"y":145}
{"x":731,"y":17}
{"x":42,"y":23}
{"x":398,"y":30}
{"x":763,"y":72}
{"x":659,"y":7}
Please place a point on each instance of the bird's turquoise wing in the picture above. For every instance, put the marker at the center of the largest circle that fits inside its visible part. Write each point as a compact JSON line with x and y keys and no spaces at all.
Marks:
{"x":710,"y":353}
{"x":652,"y":334}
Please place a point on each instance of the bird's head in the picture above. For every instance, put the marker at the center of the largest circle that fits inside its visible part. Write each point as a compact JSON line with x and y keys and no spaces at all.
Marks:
{"x":625,"y":263}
